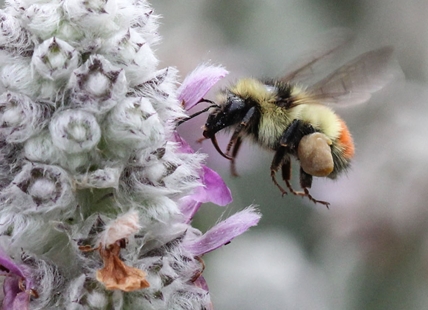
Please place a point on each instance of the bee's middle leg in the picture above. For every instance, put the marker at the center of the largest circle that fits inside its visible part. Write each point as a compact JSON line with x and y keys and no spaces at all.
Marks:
{"x":281,"y":157}
{"x":286,"y":176}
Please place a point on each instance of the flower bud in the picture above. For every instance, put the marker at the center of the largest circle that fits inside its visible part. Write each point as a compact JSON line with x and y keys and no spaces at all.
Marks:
{"x":39,"y":187}
{"x":43,"y":18}
{"x":144,"y":22}
{"x":94,"y":16}
{"x":40,"y":148}
{"x":17,"y":76}
{"x":97,"y":85}
{"x":131,"y":48}
{"x":12,"y":35}
{"x":74,"y":131}
{"x":134,"y":122}
{"x":55,"y":59}
{"x":20,"y":117}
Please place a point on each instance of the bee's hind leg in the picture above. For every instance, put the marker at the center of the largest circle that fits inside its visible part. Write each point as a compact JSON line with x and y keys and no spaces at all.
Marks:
{"x":289,"y":142}
{"x":306,"y":183}
{"x":282,"y":160}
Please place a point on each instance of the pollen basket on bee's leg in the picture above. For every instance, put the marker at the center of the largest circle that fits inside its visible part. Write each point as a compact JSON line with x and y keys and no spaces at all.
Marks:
{"x":315,"y":156}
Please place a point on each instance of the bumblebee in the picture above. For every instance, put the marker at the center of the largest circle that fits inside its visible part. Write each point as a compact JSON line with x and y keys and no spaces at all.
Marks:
{"x":291,"y":120}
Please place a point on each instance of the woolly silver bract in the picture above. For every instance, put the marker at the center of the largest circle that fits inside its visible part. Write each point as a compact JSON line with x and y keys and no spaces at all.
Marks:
{"x":97,"y":190}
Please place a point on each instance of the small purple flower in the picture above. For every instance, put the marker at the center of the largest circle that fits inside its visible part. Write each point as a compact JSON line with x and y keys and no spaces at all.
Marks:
{"x":214,"y":190}
{"x":17,"y":286}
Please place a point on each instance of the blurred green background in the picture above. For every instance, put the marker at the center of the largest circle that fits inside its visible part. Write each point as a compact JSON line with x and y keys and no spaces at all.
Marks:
{"x":370,"y":250}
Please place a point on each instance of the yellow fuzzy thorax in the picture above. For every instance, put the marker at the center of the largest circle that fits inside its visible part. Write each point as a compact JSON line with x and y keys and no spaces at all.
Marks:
{"x":275,"y":120}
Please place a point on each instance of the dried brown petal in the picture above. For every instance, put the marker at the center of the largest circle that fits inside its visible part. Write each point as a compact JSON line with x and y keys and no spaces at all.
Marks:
{"x":86,"y":248}
{"x":116,"y":275}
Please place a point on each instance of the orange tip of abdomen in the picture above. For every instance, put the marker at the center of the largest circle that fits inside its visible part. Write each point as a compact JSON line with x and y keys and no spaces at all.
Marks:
{"x":346,"y":141}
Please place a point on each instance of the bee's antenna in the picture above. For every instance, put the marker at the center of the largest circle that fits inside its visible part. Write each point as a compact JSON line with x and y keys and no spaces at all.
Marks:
{"x":209,"y":101}
{"x":213,"y":105}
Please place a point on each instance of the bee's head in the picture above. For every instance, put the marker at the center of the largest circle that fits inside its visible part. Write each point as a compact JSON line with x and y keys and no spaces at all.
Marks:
{"x":231,"y":112}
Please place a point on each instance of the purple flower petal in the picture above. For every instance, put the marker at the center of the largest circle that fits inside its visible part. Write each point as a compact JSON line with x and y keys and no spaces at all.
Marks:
{"x":223,"y":232}
{"x":198,"y":83}
{"x":10,"y":291}
{"x":202,"y":283}
{"x":21,"y":302}
{"x":215,"y":190}
{"x":184,"y":147}
{"x":188,"y":207}
{"x":14,"y":298}
{"x":10,"y":265}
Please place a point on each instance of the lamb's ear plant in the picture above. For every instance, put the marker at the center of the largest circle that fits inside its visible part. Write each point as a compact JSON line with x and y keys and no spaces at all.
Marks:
{"x":97,"y":189}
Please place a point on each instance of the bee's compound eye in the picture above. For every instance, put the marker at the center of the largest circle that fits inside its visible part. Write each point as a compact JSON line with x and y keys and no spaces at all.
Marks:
{"x":236,"y":103}
{"x":314,"y":153}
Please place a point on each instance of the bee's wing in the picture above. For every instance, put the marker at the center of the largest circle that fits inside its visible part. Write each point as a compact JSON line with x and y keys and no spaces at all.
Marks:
{"x":311,"y":65}
{"x":355,"y":81}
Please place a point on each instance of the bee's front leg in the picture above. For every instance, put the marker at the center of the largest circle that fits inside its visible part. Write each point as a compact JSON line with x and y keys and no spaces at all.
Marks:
{"x":235,"y":150}
{"x":236,"y":139}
